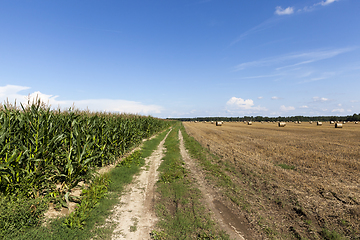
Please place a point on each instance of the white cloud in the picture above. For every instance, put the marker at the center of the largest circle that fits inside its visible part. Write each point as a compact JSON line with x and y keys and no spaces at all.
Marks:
{"x":318,"y":99}
{"x":10,"y":92}
{"x":49,"y":99}
{"x":280,"y":11}
{"x":117,"y":105}
{"x":275,"y":98}
{"x":340,"y":110}
{"x":339,"y":104}
{"x":240,"y":103}
{"x":285,"y":109}
{"x":110,"y":105}
{"x":260,"y":97}
{"x":326,"y":2}
{"x":304,"y":106}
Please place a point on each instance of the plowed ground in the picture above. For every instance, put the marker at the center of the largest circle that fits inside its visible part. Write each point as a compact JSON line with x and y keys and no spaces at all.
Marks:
{"x":301,"y":181}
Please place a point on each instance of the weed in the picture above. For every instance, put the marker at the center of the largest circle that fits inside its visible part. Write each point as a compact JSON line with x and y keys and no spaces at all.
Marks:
{"x":330,"y":235}
{"x":90,"y":199}
{"x":18,"y":213}
{"x":134,"y":227}
{"x":285,"y":166}
{"x":308,"y":222}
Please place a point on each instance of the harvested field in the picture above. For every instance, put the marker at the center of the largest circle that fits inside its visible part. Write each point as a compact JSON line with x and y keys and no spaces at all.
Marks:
{"x":300,"y":181}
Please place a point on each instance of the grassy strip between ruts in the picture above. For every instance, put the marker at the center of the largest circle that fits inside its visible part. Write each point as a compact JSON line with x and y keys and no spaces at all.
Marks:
{"x":179,"y":208}
{"x":97,"y":201}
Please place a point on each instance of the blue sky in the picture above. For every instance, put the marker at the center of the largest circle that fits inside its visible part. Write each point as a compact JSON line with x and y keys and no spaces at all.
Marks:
{"x":184,"y":58}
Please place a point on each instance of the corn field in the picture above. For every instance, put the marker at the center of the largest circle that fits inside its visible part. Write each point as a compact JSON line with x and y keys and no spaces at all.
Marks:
{"x":40,"y":147}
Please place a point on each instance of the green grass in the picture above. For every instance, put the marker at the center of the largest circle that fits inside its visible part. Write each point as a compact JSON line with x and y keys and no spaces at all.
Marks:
{"x":179,"y":208}
{"x":285,"y":166}
{"x":331,"y":235}
{"x":118,"y":178}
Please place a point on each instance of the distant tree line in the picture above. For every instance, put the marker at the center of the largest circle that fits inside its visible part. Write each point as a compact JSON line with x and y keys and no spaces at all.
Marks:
{"x":354,"y":117}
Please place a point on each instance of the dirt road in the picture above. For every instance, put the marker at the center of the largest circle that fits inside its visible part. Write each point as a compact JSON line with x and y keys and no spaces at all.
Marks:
{"x":229,"y":222}
{"x":134,"y":216}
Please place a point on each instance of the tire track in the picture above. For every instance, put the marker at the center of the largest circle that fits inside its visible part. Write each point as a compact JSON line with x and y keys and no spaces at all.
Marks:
{"x":228,"y":221}
{"x":134,"y":217}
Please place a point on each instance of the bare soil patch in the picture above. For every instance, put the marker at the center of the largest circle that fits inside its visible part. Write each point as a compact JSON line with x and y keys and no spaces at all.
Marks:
{"x":134,"y":217}
{"x":300,"y":181}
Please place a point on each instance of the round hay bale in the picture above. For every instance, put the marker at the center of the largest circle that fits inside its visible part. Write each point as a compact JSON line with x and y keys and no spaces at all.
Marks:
{"x":332,"y":122}
{"x":282,"y":124}
{"x":338,"y":125}
{"x":319,"y":123}
{"x":249,"y":123}
{"x":310,"y":122}
{"x":356,"y":122}
{"x":219,"y":123}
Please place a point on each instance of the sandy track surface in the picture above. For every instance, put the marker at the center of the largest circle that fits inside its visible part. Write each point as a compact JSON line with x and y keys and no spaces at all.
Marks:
{"x":229,"y":222}
{"x":134,"y":217}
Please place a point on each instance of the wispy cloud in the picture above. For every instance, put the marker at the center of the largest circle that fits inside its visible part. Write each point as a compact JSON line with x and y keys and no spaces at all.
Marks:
{"x":313,"y":7}
{"x":322,"y":76}
{"x":320,"y":99}
{"x":260,"y":97}
{"x":287,"y":11}
{"x":304,"y":107}
{"x":298,"y":58}
{"x":262,"y":76}
{"x":340,"y":110}
{"x":258,"y":28}
{"x":12,"y":93}
{"x":272,"y":21}
{"x":313,"y":79}
{"x":275,"y":98}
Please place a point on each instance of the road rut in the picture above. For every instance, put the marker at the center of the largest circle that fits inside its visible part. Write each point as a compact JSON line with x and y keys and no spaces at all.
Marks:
{"x":228,"y":221}
{"x":134,"y":217}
